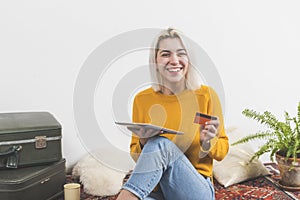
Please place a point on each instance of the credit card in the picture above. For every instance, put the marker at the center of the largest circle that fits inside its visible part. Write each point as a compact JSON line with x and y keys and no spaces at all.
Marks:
{"x":201,"y":118}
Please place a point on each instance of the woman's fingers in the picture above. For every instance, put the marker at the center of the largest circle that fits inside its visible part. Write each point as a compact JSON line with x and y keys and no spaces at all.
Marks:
{"x":210,"y":130}
{"x":147,"y":133}
{"x":215,"y":123}
{"x":207,"y":135}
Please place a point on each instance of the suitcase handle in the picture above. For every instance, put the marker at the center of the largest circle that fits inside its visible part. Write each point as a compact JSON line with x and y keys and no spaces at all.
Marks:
{"x":12,"y":154}
{"x":11,"y":150}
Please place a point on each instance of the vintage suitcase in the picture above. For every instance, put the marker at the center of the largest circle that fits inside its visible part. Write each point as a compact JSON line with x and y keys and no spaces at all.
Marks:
{"x":42,"y":182}
{"x":29,"y":139}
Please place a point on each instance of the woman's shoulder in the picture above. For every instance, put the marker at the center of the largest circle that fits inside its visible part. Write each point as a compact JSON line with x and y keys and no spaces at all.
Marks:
{"x":203,"y":89}
{"x":144,"y":93}
{"x":206,"y":91}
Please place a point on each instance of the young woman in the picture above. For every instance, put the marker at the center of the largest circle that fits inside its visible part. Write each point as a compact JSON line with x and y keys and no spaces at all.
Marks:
{"x":172,"y":166}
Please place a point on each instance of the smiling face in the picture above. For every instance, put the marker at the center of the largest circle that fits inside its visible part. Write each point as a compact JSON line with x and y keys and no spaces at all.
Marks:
{"x":172,"y":62}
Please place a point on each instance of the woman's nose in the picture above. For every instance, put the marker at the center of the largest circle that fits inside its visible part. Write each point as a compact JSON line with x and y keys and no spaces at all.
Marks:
{"x":174,"y":59}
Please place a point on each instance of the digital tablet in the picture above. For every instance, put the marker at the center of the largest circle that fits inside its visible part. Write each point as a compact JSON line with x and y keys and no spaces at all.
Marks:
{"x":135,"y":127}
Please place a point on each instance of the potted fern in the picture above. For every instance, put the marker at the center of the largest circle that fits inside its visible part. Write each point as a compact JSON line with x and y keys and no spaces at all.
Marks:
{"x":281,"y":140}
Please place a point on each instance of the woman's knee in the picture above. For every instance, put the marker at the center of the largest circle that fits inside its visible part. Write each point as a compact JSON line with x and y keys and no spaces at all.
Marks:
{"x":162,"y":148}
{"x":158,"y":143}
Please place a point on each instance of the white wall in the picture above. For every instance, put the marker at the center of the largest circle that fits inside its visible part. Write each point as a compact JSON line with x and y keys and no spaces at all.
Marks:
{"x":255,"y":46}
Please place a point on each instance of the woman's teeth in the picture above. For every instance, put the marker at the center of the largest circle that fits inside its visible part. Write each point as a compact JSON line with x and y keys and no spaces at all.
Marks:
{"x":174,"y":69}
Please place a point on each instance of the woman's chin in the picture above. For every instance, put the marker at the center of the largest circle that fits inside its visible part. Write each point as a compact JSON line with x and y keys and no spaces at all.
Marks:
{"x":175,"y":79}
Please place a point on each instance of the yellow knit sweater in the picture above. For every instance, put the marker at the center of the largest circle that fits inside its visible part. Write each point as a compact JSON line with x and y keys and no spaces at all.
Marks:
{"x":178,"y":112}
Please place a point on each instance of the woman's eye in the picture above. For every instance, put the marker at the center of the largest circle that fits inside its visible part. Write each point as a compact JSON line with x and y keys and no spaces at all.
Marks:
{"x":181,"y":54}
{"x":165,"y":55}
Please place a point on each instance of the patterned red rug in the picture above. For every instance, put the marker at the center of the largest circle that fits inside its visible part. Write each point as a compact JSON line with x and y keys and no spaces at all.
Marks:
{"x":265,"y":187}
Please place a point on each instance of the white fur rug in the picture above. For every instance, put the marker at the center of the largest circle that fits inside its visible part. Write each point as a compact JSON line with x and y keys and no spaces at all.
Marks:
{"x":97,"y":178}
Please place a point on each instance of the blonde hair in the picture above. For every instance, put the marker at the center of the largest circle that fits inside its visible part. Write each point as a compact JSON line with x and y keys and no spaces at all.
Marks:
{"x":192,"y":78}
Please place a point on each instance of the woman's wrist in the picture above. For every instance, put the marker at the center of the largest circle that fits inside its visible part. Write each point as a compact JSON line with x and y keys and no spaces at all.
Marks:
{"x":205,"y":145}
{"x":142,"y":142}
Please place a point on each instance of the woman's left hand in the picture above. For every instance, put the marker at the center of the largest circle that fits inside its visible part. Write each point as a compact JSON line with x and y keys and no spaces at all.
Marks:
{"x":209,"y":131}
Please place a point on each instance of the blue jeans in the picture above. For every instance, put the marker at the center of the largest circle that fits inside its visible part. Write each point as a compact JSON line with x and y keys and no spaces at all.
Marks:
{"x":162,"y":162}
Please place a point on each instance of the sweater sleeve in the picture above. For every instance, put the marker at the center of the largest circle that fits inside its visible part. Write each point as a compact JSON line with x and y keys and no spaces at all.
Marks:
{"x":135,"y":147}
{"x":219,"y":144}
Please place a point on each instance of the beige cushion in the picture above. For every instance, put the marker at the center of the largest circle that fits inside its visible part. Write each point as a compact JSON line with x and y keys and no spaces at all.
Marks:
{"x":236,"y":168}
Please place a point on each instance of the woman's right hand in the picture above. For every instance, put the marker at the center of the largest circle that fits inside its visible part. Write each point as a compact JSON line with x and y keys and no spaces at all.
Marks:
{"x":143,"y":141}
{"x":145,"y":134}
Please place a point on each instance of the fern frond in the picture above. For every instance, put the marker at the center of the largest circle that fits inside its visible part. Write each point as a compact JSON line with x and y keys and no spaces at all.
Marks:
{"x":298,"y":113}
{"x":259,"y":135}
{"x":283,"y":131}
{"x":267,"y":147}
{"x":273,"y":152}
{"x":264,"y":118}
{"x":296,"y":147}
{"x":289,"y":152}
{"x":297,"y":128}
{"x":287,"y":124}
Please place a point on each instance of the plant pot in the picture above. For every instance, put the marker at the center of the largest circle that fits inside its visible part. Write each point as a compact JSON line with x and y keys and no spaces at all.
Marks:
{"x":289,"y":171}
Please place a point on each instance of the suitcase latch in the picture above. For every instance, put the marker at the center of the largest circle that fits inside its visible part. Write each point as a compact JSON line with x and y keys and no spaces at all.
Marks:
{"x":40,"y":142}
